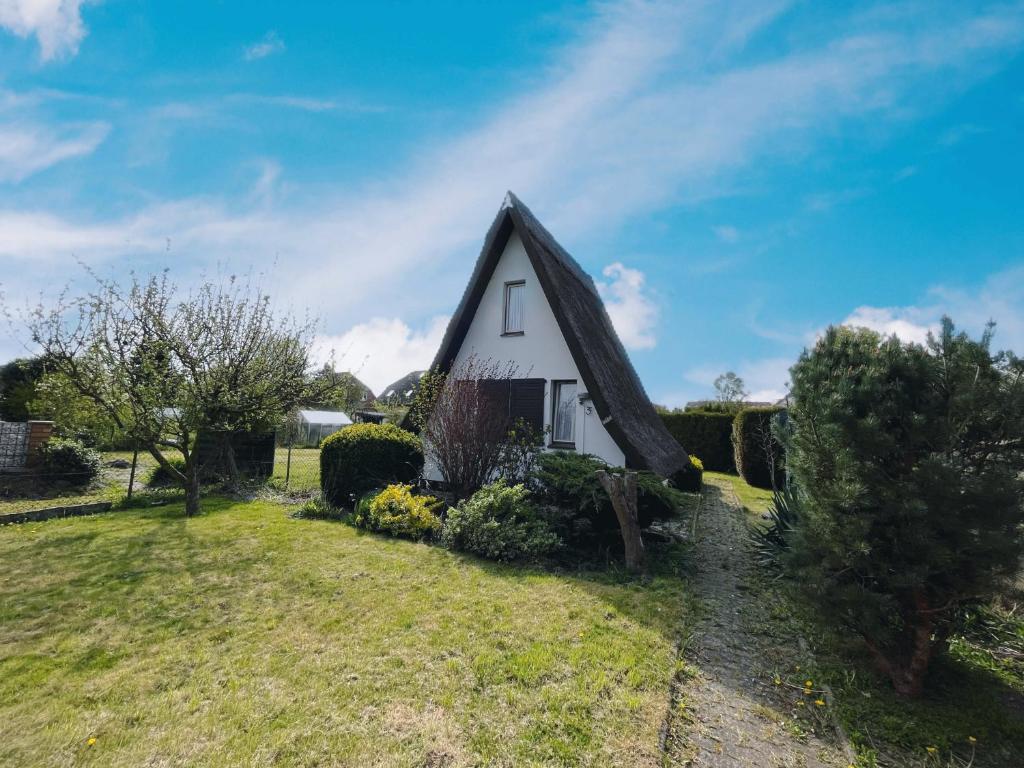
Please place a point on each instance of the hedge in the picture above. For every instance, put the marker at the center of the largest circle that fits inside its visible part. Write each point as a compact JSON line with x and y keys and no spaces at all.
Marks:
{"x":363,"y":456}
{"x":707,"y":434}
{"x":750,"y":431}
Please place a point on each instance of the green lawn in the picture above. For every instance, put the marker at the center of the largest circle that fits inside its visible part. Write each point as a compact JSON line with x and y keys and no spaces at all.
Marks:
{"x":754,"y":500}
{"x":304,"y":474}
{"x":248,"y":637}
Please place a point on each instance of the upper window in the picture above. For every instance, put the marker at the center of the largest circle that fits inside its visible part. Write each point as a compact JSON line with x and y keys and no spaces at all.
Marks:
{"x":563,"y":418}
{"x":515,"y":307}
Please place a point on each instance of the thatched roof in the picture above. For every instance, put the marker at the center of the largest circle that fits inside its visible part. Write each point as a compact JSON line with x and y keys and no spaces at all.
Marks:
{"x":402,"y":391}
{"x":607,"y":373}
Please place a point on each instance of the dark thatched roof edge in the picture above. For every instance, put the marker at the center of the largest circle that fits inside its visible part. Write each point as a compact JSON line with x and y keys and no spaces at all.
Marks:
{"x":607,"y":373}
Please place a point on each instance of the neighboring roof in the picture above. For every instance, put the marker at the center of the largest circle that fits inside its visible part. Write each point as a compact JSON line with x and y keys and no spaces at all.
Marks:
{"x":332,"y":418}
{"x":607,"y":373}
{"x":401,"y":392}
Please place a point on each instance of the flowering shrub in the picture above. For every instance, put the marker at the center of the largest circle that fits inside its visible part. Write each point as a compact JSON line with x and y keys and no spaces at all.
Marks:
{"x":397,"y":511}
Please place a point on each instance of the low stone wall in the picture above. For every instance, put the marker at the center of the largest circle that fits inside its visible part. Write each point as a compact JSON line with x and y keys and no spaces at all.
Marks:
{"x":38,"y":515}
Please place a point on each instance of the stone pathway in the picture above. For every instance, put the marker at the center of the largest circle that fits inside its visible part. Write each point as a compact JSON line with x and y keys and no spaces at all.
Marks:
{"x":728,"y":711}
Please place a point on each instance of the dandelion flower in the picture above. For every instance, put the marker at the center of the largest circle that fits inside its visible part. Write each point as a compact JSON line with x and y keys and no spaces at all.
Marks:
{"x":91,"y":740}
{"x":819,"y":702}
{"x":972,"y":740}
{"x":932,"y":750}
{"x":808,"y":683}
{"x":777,"y":680}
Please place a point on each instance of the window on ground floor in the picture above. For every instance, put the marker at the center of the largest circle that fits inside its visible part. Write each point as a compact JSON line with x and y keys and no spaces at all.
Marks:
{"x":563,"y":418}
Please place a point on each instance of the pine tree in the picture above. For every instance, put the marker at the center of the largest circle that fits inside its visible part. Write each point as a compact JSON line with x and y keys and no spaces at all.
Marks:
{"x":909,"y":460}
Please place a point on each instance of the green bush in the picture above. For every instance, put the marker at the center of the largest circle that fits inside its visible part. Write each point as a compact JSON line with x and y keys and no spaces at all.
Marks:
{"x":568,"y":482}
{"x":501,"y":523}
{"x":160,"y":477}
{"x":759,"y":455}
{"x":68,"y":462}
{"x":707,"y":434}
{"x":909,"y":461}
{"x":772,"y":541}
{"x":395,"y":510}
{"x":364,"y":456}
{"x":691,"y":477}
{"x":318,"y":509}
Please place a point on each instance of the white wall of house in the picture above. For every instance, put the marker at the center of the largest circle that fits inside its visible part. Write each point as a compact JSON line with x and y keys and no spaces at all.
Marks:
{"x":539,"y":353}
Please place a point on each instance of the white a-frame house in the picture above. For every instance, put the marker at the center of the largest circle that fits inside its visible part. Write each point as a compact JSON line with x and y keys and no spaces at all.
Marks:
{"x":529,"y":303}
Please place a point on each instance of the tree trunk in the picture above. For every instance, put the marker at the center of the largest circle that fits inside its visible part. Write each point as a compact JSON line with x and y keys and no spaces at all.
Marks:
{"x":622,"y":491}
{"x":908,"y":672}
{"x":192,"y":489}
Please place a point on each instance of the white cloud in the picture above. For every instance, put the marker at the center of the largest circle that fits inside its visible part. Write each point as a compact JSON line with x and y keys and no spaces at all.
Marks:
{"x":382,"y":350}
{"x":57,"y":24}
{"x":726,"y":233}
{"x":269,"y":45}
{"x":1000,"y":298}
{"x":653,"y":104}
{"x":27,"y":148}
{"x":633,"y":312}
{"x":906,"y":323}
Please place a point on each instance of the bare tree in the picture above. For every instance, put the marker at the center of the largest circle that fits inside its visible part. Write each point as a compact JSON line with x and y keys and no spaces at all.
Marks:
{"x":165,"y":366}
{"x":730,"y":388}
{"x":467,"y":429}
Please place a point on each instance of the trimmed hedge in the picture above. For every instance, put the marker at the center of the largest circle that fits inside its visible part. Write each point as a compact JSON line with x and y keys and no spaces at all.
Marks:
{"x":751,"y":433}
{"x":707,"y":434}
{"x":363,"y":456}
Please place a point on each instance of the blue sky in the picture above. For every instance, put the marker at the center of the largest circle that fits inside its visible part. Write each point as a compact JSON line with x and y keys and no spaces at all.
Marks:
{"x":736,"y":175}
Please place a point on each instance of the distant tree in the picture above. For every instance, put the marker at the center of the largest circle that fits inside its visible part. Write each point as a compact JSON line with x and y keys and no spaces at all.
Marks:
{"x":340,"y":390}
{"x":909,"y":461}
{"x":74,"y":415}
{"x":18,"y":380}
{"x":165,"y":366}
{"x":730,"y":388}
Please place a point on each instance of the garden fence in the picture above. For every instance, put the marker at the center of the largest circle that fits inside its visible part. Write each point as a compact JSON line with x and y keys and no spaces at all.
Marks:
{"x":13,"y":445}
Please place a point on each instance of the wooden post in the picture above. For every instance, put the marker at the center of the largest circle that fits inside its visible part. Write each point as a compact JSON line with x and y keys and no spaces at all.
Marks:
{"x":288,"y":465}
{"x":621,"y":490}
{"x":135,"y":463}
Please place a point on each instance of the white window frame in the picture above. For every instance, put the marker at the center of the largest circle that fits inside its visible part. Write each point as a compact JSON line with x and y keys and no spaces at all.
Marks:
{"x":556,"y":391}
{"x":505,"y":329}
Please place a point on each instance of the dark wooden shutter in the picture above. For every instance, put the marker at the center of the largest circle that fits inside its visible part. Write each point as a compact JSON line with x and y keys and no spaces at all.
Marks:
{"x":493,"y":403}
{"x":526,"y":402}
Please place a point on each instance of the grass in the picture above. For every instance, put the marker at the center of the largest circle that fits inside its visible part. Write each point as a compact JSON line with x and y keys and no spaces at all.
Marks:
{"x":304,"y":475}
{"x":248,"y":637}
{"x":974,"y":691}
{"x":754,"y":500}
{"x":21,"y":494}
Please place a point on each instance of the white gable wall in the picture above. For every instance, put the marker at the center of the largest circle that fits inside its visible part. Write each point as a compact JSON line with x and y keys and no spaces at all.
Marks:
{"x":540,"y":353}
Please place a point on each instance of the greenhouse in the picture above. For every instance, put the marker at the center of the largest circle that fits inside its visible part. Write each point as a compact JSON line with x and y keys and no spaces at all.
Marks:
{"x":314,"y":426}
